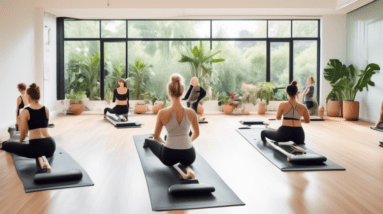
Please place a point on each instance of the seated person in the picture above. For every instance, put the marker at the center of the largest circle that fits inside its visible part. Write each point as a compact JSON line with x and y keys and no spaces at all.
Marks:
{"x":177,"y":120}
{"x":195,"y":94}
{"x":121,"y":94}
{"x":292,"y":111}
{"x":379,"y":123}
{"x":22,"y":101}
{"x":308,"y":93}
{"x":35,"y":119}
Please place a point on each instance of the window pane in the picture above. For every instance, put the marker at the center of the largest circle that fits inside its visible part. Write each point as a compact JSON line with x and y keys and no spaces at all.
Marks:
{"x":82,"y":67}
{"x":305,"y":62}
{"x":169,"y":29}
{"x":279,"y":29}
{"x":81,"y":29}
{"x":305,"y":28}
{"x":279,"y":63}
{"x":245,"y":61}
{"x":114,"y":66}
{"x":113,"y":29}
{"x":163,"y":56}
{"x":239,"y":29}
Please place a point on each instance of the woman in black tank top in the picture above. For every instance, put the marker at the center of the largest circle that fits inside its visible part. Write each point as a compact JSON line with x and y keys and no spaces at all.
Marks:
{"x":33,"y":118}
{"x":20,"y":102}
{"x":120,"y":109}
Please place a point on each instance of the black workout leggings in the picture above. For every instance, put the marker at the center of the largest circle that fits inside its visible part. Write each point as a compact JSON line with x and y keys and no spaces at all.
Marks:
{"x":36,"y":148}
{"x":170,"y":156}
{"x":309,"y":104}
{"x":284,"y":134}
{"x":194,"y":106}
{"x":118,"y":109}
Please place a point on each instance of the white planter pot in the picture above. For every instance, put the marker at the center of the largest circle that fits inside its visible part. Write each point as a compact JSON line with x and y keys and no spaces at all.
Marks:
{"x":273,"y":105}
{"x":210,"y":105}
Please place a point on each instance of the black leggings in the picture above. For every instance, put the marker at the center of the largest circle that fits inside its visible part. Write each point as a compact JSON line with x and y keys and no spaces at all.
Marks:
{"x":284,"y":134}
{"x":36,"y":148}
{"x":118,"y":109}
{"x":194,"y":106}
{"x":170,"y":156}
{"x":309,"y":104}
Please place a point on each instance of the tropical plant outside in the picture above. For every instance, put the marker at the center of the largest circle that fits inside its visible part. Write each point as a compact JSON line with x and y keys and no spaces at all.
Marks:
{"x":265,"y":91}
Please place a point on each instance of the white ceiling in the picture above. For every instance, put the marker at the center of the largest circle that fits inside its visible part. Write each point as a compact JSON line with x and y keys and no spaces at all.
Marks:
{"x":185,"y":9}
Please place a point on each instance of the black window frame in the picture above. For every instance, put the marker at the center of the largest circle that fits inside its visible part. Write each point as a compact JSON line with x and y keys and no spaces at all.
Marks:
{"x":60,"y":46}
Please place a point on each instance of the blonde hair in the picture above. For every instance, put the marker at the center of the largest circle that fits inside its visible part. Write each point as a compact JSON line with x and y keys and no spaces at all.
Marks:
{"x":176,"y":85}
{"x":312,"y":79}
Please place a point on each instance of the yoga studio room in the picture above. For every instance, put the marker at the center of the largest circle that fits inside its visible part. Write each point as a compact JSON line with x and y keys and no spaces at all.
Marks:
{"x":191,"y":107}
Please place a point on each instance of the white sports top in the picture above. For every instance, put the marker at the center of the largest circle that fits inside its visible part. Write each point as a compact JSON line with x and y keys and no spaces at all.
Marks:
{"x":178,"y":134}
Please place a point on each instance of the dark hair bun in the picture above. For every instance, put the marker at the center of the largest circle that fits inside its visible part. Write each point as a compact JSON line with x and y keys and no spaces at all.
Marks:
{"x":294,"y":82}
{"x":22,"y":86}
{"x":176,"y":78}
{"x":34,"y":91}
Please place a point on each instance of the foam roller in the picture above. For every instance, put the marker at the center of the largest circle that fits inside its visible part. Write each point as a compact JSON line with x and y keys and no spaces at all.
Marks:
{"x":71,"y":175}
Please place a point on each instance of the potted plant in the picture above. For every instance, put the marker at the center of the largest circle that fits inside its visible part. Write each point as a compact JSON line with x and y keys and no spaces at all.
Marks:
{"x":159,"y":104}
{"x":77,"y":107}
{"x":223,"y":100}
{"x":248,"y":97}
{"x":334,"y":71}
{"x":264,"y":91}
{"x":140,"y":107}
{"x":150,"y":97}
{"x":352,"y":83}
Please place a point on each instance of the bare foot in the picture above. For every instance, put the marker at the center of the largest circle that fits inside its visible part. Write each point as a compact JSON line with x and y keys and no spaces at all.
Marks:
{"x":123,"y":119}
{"x":203,"y":119}
{"x":190,"y":173}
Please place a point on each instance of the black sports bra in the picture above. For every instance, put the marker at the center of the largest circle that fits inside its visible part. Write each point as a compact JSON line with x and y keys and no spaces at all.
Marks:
{"x":20,"y":106}
{"x":37,"y":118}
{"x":121,"y":97}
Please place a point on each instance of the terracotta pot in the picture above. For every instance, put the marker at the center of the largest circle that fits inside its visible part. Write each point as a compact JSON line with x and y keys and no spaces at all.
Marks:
{"x":261,"y":108}
{"x":157,"y":107}
{"x":246,"y":112}
{"x":333,"y":108}
{"x":139,"y":108}
{"x":77,"y":108}
{"x":228,"y":109}
{"x":200,"y":109}
{"x":351,"y":110}
{"x":321,"y":111}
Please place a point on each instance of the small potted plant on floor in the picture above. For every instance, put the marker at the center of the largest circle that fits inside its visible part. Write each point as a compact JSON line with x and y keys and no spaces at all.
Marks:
{"x":150,"y":99}
{"x":76,"y":105}
{"x":264,"y":91}
{"x":159,"y":104}
{"x":223,"y":100}
{"x":248,"y":98}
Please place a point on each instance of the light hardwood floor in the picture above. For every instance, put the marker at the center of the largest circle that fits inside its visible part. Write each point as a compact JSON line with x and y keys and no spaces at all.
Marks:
{"x":109,"y":156}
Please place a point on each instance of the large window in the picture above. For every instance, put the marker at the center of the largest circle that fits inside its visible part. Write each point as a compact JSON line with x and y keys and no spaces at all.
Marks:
{"x":96,"y":53}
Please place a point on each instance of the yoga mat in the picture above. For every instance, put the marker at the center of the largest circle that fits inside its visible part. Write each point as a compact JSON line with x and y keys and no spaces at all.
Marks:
{"x":202,"y":122}
{"x":252,"y":121}
{"x":61,"y":161}
{"x":253,"y":136}
{"x":377,"y":128}
{"x":316,"y":119}
{"x":159,"y":177}
{"x":130,"y":123}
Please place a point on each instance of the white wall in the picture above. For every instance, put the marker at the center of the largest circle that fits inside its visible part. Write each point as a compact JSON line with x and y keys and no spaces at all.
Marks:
{"x":364,"y":46}
{"x":50,"y":74}
{"x":333,"y":46}
{"x":17,"y":37}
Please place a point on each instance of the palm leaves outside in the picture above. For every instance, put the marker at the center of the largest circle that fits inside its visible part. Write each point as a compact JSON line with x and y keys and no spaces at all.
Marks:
{"x":139,"y":74}
{"x":117,"y":71}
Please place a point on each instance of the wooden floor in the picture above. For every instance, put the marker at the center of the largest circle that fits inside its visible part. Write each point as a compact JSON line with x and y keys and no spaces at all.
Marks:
{"x":110,"y":158}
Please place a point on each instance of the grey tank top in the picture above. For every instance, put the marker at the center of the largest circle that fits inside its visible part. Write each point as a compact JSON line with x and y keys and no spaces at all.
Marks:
{"x":178,"y":134}
{"x":292,"y":114}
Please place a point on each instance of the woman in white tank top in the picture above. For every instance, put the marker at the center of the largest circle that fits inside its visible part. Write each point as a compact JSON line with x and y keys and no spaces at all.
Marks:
{"x":177,"y":120}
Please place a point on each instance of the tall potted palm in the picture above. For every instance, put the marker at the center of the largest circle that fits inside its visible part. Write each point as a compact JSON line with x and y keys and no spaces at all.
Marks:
{"x":139,"y":74}
{"x":353,"y":82}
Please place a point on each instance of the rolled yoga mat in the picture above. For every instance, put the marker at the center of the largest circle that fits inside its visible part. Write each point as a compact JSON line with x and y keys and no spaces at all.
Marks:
{"x":130,"y":123}
{"x":252,"y":121}
{"x":61,"y":162}
{"x":160,"y":177}
{"x":253,"y":136}
{"x":316,"y":118}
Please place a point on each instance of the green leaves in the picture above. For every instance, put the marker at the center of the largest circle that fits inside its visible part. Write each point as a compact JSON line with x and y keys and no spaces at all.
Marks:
{"x":265,"y":91}
{"x":334,"y":71}
{"x":139,"y":75}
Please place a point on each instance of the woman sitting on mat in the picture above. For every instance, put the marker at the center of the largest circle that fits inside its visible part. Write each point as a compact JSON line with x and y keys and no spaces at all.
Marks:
{"x":177,"y":120}
{"x":35,"y":119}
{"x":22,"y":101}
{"x":292,"y":111}
{"x":308,"y":93}
{"x":380,"y":119}
{"x":121,"y":94}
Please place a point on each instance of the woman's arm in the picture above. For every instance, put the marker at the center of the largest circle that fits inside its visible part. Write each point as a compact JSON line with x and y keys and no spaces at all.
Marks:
{"x":202,"y":94}
{"x":192,"y":116}
{"x":159,"y":125}
{"x":188,"y":93}
{"x":17,"y":109}
{"x":127,"y":95}
{"x":114,"y":95}
{"x":23,"y":125}
{"x":280,"y":111}
{"x":380,"y":115}
{"x":306,"y":115}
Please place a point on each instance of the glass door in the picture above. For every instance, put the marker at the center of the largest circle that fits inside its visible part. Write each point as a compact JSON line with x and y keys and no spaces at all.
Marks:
{"x":280,"y":63}
{"x":113,"y":66}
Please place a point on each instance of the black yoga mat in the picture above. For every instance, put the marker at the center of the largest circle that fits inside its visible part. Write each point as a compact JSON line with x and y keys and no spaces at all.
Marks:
{"x":252,"y":121}
{"x":253,"y":136}
{"x":203,"y":121}
{"x":60,"y":162}
{"x":376,"y":128}
{"x":315,"y":118}
{"x":159,"y":177}
{"x":130,"y":123}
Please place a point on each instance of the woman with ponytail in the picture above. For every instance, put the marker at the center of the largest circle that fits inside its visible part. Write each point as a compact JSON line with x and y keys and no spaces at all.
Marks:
{"x":292,"y":111}
{"x":121,"y":94}
{"x":177,"y":120}
{"x":22,"y":101}
{"x":35,"y":120}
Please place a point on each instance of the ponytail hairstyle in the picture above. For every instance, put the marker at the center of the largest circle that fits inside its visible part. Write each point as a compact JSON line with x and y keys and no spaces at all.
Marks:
{"x":34,"y":91}
{"x":21,"y":86}
{"x":176,"y":85}
{"x":292,"y":89}
{"x":122,"y":80}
